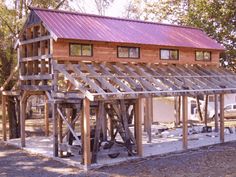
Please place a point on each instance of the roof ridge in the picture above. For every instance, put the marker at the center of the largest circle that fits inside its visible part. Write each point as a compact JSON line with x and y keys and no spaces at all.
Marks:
{"x":114,"y":18}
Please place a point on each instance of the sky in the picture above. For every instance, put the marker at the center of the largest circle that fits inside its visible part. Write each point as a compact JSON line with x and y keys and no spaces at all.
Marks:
{"x":115,"y":10}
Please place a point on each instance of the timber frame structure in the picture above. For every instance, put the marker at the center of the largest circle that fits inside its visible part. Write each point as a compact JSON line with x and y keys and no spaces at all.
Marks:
{"x":75,"y":89}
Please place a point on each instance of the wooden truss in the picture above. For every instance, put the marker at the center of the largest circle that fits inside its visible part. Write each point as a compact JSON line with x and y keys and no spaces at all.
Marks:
{"x":104,"y":80}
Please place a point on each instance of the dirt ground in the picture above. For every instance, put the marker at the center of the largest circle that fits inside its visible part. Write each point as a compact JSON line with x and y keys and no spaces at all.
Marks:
{"x":212,"y":161}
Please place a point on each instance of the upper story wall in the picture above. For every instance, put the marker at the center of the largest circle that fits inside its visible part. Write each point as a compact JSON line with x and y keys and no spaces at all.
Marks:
{"x":104,"y":51}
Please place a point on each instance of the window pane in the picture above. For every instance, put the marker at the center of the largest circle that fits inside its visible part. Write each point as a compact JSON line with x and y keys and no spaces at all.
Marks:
{"x":134,"y":52}
{"x":173,"y":54}
{"x":123,"y":52}
{"x":199,"y":55}
{"x":75,"y":49}
{"x":207,"y":56}
{"x":165,"y":54}
{"x":86,"y":50}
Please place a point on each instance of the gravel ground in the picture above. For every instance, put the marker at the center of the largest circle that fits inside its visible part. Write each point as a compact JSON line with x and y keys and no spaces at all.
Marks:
{"x":212,"y":161}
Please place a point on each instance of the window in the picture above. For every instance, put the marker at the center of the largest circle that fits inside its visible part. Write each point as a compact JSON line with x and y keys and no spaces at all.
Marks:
{"x":203,"y":56}
{"x":169,"y":54}
{"x":128,"y":52}
{"x":84,"y":50}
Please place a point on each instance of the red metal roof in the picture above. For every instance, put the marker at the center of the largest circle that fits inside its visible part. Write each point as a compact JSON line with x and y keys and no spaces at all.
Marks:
{"x":70,"y":25}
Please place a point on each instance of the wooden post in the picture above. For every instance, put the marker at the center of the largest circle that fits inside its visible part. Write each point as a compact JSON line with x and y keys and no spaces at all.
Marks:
{"x":46,"y":114}
{"x":138,"y":125}
{"x":23,"y":102}
{"x":206,"y":110}
{"x":149,"y":114}
{"x":55,"y":130}
{"x":222,"y":138}
{"x":185,"y":121}
{"x":4,"y":120}
{"x":216,"y":114}
{"x":86,"y":132}
{"x":60,"y":121}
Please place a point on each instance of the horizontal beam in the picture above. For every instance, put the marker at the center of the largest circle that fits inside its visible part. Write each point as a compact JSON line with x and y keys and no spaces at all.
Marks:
{"x":37,"y":77}
{"x":29,"y":41}
{"x":36,"y":87}
{"x":41,"y":57}
{"x":11,"y":93}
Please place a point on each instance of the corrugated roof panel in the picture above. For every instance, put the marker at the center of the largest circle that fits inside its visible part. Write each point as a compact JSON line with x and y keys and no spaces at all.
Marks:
{"x":68,"y":25}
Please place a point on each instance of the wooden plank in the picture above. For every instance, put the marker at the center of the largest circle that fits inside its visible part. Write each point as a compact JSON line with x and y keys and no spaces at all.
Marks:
{"x":86,"y":132}
{"x":222,"y":138}
{"x":11,"y":93}
{"x":35,"y":58}
{"x":4,"y":118}
{"x":29,"y":41}
{"x":138,"y":126}
{"x":216,"y":114}
{"x":55,"y":130}
{"x":185,"y":121}
{"x":36,"y":87}
{"x":46,"y":117}
{"x":36,"y":77}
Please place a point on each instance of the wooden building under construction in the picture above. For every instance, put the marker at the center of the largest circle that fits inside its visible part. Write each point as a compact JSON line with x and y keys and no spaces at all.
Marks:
{"x":104,"y":70}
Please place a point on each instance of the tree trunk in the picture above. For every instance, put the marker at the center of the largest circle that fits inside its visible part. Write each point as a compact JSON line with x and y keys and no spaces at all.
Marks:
{"x":14,"y":122}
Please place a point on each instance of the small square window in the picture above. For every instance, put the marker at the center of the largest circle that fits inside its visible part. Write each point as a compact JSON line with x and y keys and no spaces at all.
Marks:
{"x":169,"y":54}
{"x":128,"y":52}
{"x":81,"y":50}
{"x":203,"y":56}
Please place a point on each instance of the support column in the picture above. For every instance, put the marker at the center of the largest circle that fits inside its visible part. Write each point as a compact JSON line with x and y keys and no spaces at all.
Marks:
{"x":86,"y":132}
{"x":55,"y":130}
{"x":23,"y":102}
{"x":46,"y":120}
{"x":60,"y":128}
{"x":139,"y":113}
{"x":222,"y":138}
{"x":4,"y":119}
{"x":185,"y":121}
{"x":216,"y":114}
{"x":149,"y":113}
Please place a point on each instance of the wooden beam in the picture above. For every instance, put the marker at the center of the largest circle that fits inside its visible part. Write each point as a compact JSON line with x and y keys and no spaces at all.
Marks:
{"x":149,"y":113}
{"x":23,"y":102}
{"x":86,"y":132}
{"x":35,"y":58}
{"x":29,"y":41}
{"x":36,"y":77}
{"x":46,"y":117}
{"x":55,"y":129}
{"x":185,"y":121}
{"x":4,"y":119}
{"x":222,"y":138}
{"x":36,"y":87}
{"x":216,"y":114}
{"x":138,"y":125}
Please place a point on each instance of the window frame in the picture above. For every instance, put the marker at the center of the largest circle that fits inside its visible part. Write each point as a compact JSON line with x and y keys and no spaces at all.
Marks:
{"x":82,"y":44}
{"x":128,"y":47}
{"x":203,"y":51}
{"x":169,"y":54}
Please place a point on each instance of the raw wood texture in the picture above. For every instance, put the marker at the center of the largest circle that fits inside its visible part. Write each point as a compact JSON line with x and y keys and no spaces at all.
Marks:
{"x":216,"y":114}
{"x":86,"y":132}
{"x":185,"y":121}
{"x":222,"y":136}
{"x":103,"y":81}
{"x":55,"y":129}
{"x":46,"y":117}
{"x":148,"y":53}
{"x":23,"y":102}
{"x":139,"y":113}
